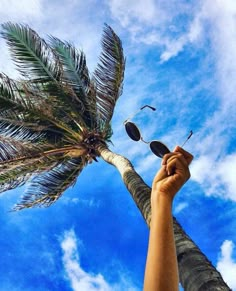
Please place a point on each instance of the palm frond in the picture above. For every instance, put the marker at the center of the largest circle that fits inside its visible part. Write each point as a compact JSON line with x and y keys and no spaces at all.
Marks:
{"x":22,"y":97}
{"x":33,"y":57}
{"x":46,"y":188}
{"x":109,"y":74}
{"x":17,"y":141}
{"x":75,"y":71}
{"x":65,"y":109}
{"x":11,"y":149}
{"x":18,"y":173}
{"x":10,"y":96}
{"x":32,"y":105}
{"x":76,"y":75}
{"x":15,"y":118}
{"x":18,"y":133}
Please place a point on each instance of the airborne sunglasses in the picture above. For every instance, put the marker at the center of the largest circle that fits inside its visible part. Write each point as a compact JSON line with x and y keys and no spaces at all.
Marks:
{"x":157,"y":147}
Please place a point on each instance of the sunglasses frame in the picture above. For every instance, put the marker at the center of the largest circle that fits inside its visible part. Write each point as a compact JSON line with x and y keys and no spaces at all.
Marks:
{"x":157,"y":147}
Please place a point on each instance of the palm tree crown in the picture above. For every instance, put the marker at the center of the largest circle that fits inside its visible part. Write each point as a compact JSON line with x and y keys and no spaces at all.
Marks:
{"x":55,"y":117}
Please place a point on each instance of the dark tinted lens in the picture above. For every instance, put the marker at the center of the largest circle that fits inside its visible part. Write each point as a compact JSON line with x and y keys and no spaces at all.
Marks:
{"x":159,"y":149}
{"x":132,"y":131}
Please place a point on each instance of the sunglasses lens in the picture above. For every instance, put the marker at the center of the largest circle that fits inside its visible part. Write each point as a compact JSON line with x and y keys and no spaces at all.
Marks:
{"x":159,"y":149}
{"x":132,"y":131}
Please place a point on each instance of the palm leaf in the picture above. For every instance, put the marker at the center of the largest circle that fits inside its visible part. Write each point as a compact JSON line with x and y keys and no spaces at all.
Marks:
{"x":109,"y":74}
{"x":75,"y":74}
{"x":65,"y":108}
{"x":10,"y":94}
{"x":48,"y":187}
{"x":17,"y":173}
{"x":75,"y":71}
{"x":15,"y":118}
{"x":33,"y":57}
{"x":17,"y":141}
{"x":35,"y":106}
{"x":23,"y":98}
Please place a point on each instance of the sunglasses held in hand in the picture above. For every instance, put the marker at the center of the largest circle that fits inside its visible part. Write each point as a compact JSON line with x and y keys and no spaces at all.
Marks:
{"x":157,"y":147}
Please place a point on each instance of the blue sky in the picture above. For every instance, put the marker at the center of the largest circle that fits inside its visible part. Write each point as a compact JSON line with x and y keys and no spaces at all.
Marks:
{"x":180,"y":58}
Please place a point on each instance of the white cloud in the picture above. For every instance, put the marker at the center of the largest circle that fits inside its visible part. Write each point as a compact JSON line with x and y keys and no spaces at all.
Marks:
{"x":70,"y":22}
{"x":221,"y":17}
{"x":180,"y":207}
{"x":226,"y":264}
{"x":24,"y":10}
{"x":81,"y":280}
{"x":130,"y":11}
{"x":216,"y":20}
{"x":153,"y":22}
{"x":217,"y":177}
{"x":226,"y":170}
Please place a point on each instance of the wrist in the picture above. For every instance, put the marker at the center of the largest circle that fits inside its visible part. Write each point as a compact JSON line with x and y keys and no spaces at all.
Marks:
{"x":162,"y":201}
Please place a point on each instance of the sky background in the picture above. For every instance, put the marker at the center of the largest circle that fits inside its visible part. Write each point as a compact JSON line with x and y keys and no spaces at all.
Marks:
{"x":180,"y":58}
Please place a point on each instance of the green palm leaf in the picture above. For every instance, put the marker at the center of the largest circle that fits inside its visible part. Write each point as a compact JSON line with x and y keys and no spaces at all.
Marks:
{"x":46,"y":188}
{"x":17,"y":141}
{"x":17,"y":173}
{"x":75,"y":73}
{"x":22,"y":98}
{"x":33,"y":57}
{"x":109,"y":74}
{"x":36,"y":109}
{"x":11,"y":96}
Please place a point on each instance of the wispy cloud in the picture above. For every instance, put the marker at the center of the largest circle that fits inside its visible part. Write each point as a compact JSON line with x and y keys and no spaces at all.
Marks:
{"x":81,"y":280}
{"x":156,"y":23}
{"x":127,"y":12}
{"x":180,"y":207}
{"x":70,"y":22}
{"x":23,"y":10}
{"x":16,"y":11}
{"x":226,"y":264}
{"x":216,"y":177}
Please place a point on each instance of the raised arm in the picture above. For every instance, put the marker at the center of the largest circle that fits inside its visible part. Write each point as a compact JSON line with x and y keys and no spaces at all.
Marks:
{"x":161,"y":272}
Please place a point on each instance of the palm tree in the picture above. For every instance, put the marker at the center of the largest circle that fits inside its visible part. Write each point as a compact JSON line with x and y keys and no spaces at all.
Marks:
{"x":56,"y":120}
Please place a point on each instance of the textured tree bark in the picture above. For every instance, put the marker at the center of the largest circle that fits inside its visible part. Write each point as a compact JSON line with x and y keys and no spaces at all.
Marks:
{"x":196,"y":271}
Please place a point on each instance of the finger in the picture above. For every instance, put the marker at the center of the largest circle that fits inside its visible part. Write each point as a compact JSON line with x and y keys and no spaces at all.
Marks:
{"x":166,"y":157}
{"x":173,"y":155}
{"x":189,"y":157}
{"x":176,"y":162}
{"x":178,"y":166}
{"x":178,"y":157}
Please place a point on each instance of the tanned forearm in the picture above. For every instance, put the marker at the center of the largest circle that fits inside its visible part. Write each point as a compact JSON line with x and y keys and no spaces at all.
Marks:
{"x":161,"y":266}
{"x":161,"y":272}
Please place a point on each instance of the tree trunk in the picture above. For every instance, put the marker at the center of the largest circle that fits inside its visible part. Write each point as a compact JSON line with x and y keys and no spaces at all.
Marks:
{"x":196,"y":271}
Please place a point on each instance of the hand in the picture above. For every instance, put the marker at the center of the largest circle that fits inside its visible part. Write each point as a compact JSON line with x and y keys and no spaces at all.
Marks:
{"x":172,"y":175}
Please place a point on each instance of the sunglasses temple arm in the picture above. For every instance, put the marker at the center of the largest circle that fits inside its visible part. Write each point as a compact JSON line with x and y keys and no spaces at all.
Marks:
{"x":153,"y":108}
{"x":132,"y":116}
{"x":190,"y":134}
